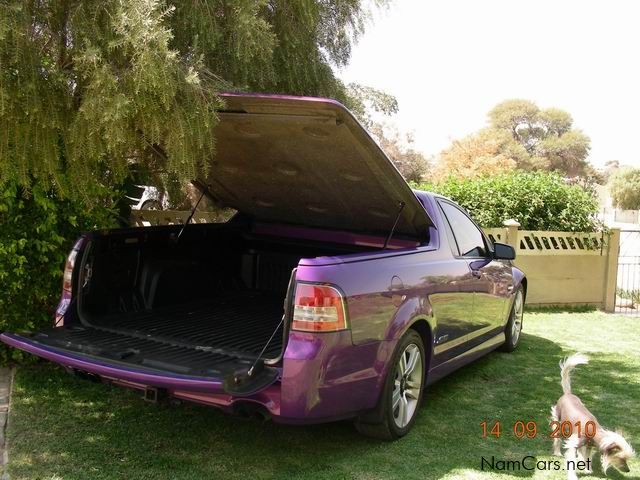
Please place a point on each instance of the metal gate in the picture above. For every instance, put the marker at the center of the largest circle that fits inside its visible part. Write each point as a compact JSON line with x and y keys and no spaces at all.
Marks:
{"x":628,"y":284}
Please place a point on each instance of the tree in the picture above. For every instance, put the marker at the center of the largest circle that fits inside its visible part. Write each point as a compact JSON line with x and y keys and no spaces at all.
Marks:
{"x":610,"y":167}
{"x":411,"y":163}
{"x":548,"y":136}
{"x":480,"y":154}
{"x":89,"y":87}
{"x":523,"y":136}
{"x":624,"y":186}
{"x":365,"y":101}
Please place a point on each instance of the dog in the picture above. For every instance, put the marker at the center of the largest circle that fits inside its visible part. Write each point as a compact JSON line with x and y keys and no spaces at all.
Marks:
{"x":614,"y":450}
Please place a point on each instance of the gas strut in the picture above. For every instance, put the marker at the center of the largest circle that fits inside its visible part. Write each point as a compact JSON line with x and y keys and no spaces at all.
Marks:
{"x":393,"y":229}
{"x":247,"y":382}
{"x":250,"y":371}
{"x":193,"y":212}
{"x":240,"y":381}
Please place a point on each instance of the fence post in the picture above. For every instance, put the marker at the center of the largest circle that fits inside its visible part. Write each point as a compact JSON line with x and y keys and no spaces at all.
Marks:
{"x":511,"y":227}
{"x":612,"y":271}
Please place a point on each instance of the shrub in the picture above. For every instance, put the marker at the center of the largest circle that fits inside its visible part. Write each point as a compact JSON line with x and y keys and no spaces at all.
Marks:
{"x":38,"y":230}
{"x":538,"y":200}
{"x":624,"y":187}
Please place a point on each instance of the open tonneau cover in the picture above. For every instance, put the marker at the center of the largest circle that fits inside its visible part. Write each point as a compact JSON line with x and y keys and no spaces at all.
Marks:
{"x":308,"y":162}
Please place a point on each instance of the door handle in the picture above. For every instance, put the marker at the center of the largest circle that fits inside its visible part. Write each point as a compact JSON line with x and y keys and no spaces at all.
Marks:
{"x":476,"y":273}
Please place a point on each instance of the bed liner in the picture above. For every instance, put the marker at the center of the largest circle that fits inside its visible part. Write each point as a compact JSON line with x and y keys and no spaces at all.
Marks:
{"x":210,"y":338}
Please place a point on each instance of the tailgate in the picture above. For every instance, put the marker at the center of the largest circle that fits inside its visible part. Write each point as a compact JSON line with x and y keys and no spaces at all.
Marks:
{"x":119,"y":356}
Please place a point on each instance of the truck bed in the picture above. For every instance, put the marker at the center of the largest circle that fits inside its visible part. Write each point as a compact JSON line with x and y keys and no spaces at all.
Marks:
{"x":238,"y":323}
{"x":204,"y":306}
{"x":211,"y":337}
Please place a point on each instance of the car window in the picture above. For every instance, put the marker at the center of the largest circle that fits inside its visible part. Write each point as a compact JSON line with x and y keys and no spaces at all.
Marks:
{"x":468,"y":237}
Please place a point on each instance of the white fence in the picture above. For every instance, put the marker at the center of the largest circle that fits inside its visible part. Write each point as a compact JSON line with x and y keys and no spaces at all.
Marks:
{"x":565,"y":268}
{"x":531,"y":242}
{"x":611,"y":215}
{"x":626,"y":216}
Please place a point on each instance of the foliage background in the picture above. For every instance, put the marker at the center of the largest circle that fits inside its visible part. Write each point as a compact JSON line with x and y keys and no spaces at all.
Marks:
{"x":538,"y":200}
{"x":37,"y":232}
{"x":411,"y":163}
{"x":89,"y":87}
{"x":624,"y":186}
{"x":519,"y":135}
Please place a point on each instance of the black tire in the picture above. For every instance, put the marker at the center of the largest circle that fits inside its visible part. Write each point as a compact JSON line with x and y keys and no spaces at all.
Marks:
{"x":387,"y":428}
{"x":512,"y":334}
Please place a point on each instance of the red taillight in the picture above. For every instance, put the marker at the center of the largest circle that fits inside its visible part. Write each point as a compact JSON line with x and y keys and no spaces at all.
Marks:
{"x":318,"y":308}
{"x":68,"y":270}
{"x":67,"y":283}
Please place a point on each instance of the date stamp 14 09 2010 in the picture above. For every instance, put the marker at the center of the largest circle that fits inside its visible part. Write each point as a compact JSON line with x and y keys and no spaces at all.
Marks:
{"x":529,"y":429}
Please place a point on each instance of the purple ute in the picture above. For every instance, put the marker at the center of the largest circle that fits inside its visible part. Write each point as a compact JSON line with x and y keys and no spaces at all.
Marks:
{"x":335,"y":291}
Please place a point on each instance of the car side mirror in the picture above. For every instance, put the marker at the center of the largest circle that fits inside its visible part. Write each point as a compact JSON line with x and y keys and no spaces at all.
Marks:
{"x":502,"y":251}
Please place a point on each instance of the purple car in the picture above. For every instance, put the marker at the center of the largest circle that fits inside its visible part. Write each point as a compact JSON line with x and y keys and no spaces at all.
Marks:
{"x":335,"y":291}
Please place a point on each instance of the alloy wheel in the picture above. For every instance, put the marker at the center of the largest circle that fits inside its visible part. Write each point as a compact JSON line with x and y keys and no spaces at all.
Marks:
{"x":406,"y":385}
{"x":518,"y":310}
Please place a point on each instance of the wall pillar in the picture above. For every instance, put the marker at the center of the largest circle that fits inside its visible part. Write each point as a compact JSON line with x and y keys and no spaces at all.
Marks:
{"x":611,"y":278}
{"x":511,"y":227}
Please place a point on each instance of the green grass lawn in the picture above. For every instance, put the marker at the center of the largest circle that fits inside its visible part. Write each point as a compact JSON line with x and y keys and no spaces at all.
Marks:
{"x":65,"y":428}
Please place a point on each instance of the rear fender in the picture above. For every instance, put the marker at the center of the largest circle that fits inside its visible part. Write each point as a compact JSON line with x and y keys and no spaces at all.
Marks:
{"x":413,"y":309}
{"x":411,"y":314}
{"x":518,"y":278}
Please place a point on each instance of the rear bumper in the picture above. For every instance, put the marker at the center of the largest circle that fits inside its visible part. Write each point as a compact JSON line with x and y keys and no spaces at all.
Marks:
{"x":325,"y":378}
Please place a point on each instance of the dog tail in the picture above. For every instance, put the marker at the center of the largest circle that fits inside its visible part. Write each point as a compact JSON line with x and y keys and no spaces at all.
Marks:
{"x":566,"y":366}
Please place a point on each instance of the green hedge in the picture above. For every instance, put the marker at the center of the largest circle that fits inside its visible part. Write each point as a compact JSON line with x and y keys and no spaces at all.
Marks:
{"x":38,"y":230}
{"x":538,"y":200}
